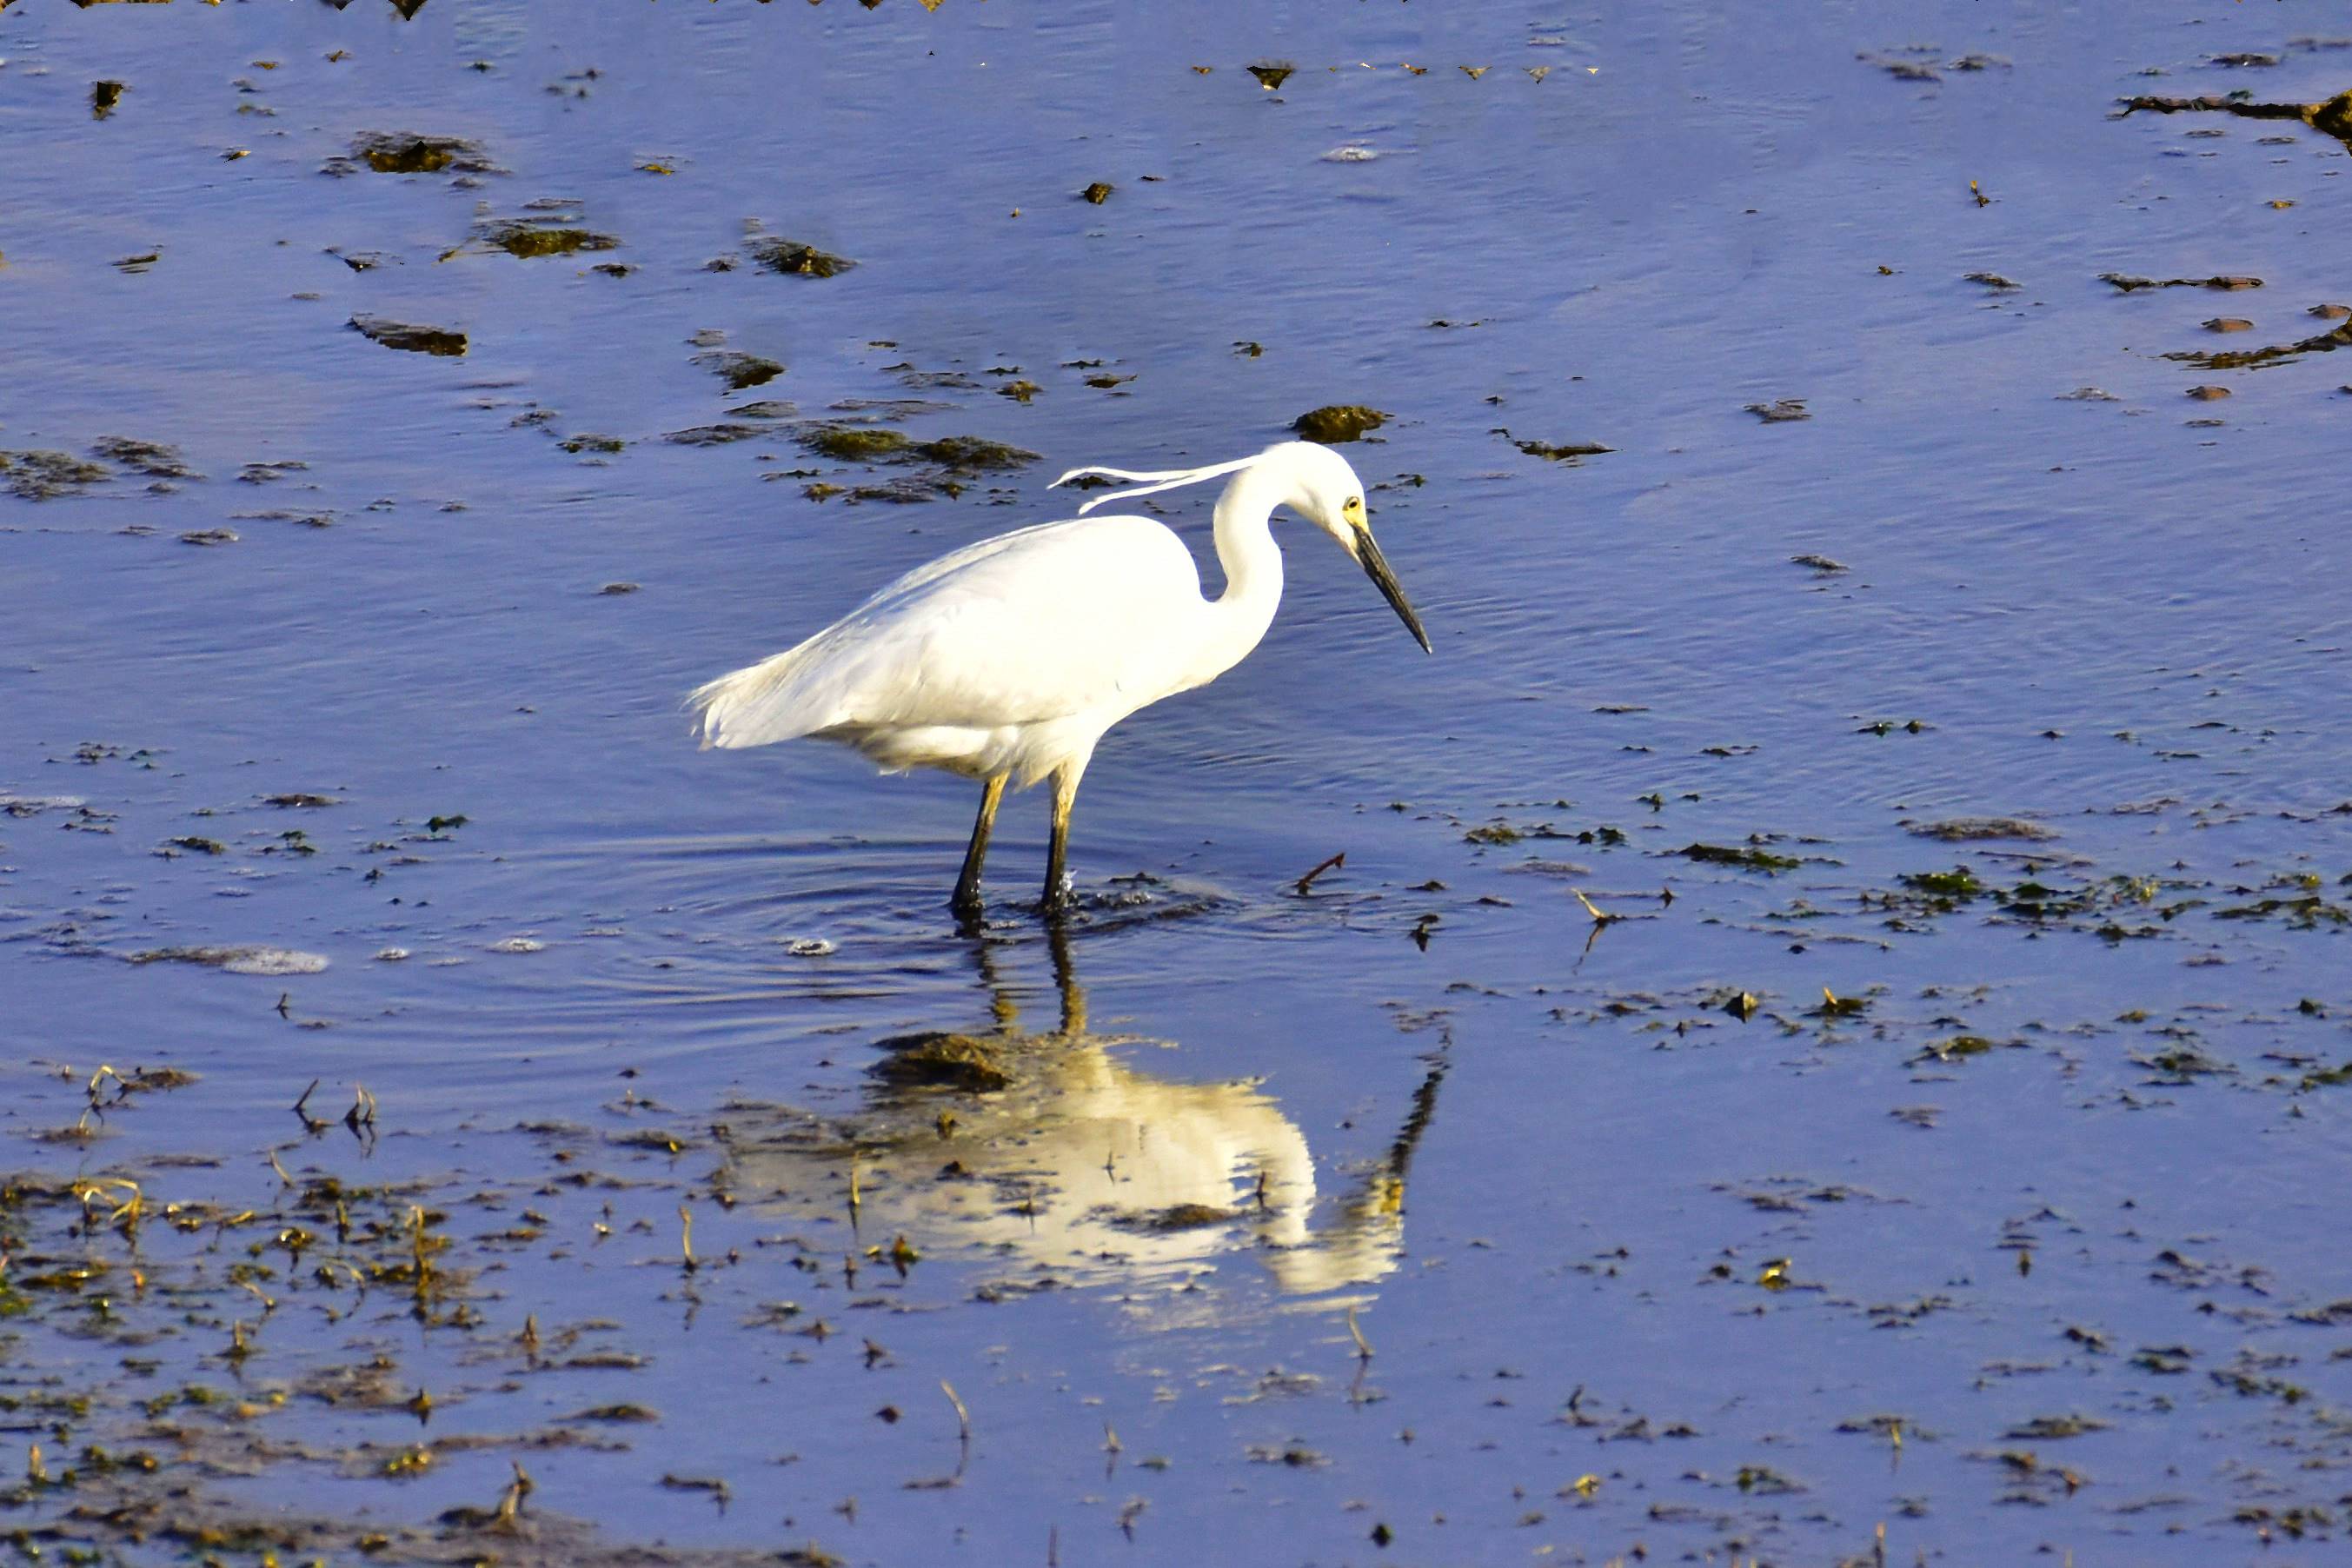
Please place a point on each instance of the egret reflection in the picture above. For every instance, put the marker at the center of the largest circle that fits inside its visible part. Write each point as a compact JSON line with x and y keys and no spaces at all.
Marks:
{"x":1060,"y":1153}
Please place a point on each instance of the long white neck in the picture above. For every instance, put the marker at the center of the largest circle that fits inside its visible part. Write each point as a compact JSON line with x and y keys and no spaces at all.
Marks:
{"x":1253,"y":566}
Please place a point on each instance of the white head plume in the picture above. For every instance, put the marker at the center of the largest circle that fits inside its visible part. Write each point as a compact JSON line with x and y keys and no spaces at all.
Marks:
{"x":1151,"y":484}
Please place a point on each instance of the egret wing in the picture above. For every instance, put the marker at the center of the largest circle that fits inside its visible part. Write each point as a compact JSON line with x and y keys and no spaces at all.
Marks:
{"x":1033,"y":626}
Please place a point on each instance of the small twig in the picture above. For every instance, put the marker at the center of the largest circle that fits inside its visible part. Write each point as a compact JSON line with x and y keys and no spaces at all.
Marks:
{"x":1599,"y":915}
{"x":686,"y":1242}
{"x":1333,"y":864}
{"x":1363,"y":1346}
{"x":310,"y":1122}
{"x":964,"y":1417}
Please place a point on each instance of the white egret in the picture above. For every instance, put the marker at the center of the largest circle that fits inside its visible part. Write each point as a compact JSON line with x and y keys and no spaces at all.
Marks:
{"x":1006,"y":660}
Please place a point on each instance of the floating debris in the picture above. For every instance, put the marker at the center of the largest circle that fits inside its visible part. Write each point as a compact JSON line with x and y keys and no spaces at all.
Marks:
{"x":103,"y":96}
{"x":409,"y":337}
{"x":1902,"y":70}
{"x":265,"y":961}
{"x":714,"y":435}
{"x":1099,"y":192}
{"x":1781,"y":411}
{"x":1271,"y":74}
{"x":2276,"y":354}
{"x":1970,"y":829}
{"x":1821,"y":563}
{"x":1568,"y":452}
{"x":2127,"y":282}
{"x":2333,"y":117}
{"x":271,"y":472}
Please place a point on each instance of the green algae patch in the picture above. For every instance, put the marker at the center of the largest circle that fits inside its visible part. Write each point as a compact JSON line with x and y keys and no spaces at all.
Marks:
{"x":855,"y":442}
{"x":1958,"y":883}
{"x":1337,"y":422}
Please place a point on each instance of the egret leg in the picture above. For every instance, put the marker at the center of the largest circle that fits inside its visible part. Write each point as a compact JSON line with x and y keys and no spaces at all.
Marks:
{"x":966,"y":901}
{"x":1066,"y":795}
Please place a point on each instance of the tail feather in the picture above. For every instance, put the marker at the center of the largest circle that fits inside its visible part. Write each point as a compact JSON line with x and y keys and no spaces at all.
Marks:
{"x":754,"y":705}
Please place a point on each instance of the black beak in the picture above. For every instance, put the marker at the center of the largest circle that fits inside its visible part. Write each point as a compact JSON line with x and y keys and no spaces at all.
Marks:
{"x":1377,"y":569}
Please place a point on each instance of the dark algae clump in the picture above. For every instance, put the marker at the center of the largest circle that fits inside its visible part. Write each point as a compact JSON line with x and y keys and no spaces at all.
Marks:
{"x":1337,"y":422}
{"x":403,"y":153}
{"x":791,"y":256}
{"x":974,"y":1063}
{"x":1746,"y":857}
{"x":47,"y":475}
{"x":522,"y":237}
{"x":409,"y":337}
{"x":739,"y":371}
{"x":151,"y":458}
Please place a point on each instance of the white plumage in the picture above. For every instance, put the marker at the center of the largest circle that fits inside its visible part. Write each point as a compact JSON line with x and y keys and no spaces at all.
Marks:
{"x":1006,"y":660}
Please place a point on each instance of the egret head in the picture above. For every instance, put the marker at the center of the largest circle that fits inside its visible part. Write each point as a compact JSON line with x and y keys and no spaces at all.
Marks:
{"x":1325,"y":492}
{"x":1311,"y":479}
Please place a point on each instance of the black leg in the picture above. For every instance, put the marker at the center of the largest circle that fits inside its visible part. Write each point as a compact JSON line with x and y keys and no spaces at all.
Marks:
{"x":1058,"y":881}
{"x":966,"y":901}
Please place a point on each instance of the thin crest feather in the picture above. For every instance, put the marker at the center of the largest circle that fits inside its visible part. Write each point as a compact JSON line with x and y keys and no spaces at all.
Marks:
{"x":1150,"y":482}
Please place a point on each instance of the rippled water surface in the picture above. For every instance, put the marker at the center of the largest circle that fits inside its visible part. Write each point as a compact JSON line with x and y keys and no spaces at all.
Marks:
{"x":1943,"y":706}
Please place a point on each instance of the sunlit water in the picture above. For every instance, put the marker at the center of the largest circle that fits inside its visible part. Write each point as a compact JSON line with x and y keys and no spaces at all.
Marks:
{"x":1592,"y":1224}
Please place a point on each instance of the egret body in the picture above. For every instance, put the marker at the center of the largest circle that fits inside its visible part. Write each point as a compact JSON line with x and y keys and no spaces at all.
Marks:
{"x":1007,"y":660}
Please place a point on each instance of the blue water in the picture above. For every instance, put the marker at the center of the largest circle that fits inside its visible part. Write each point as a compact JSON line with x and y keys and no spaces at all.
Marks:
{"x":2120,"y":617}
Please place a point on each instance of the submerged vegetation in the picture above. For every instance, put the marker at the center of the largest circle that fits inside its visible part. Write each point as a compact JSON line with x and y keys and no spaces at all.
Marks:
{"x":1897,"y":1017}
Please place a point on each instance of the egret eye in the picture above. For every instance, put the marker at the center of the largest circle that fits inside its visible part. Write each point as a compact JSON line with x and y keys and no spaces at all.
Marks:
{"x":1355,"y":507}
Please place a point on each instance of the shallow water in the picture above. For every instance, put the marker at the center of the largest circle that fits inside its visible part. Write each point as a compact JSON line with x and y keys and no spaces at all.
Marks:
{"x":1639,"y":1207}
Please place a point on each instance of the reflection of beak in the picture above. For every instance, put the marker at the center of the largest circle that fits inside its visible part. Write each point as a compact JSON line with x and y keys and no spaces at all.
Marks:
{"x":1377,"y":569}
